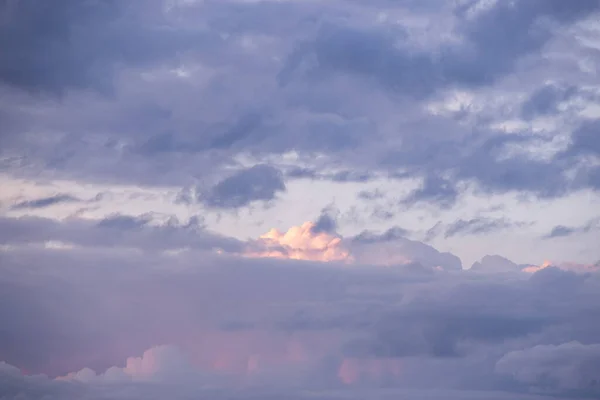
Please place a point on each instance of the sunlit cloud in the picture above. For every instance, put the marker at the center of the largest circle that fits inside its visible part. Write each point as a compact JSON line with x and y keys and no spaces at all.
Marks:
{"x":301,"y":243}
{"x":567,"y":266}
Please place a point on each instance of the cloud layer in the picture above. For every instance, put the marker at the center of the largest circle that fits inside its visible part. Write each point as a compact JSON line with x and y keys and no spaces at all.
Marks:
{"x":158,"y":159}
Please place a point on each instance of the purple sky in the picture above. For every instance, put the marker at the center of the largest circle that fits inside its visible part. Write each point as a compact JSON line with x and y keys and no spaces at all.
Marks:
{"x":299,"y":199}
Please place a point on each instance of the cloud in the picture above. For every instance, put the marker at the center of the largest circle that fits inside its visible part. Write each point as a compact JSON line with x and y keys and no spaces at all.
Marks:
{"x":273,"y":324}
{"x":160,"y":363}
{"x":564,"y":231}
{"x":71,"y":28}
{"x":305,"y":242}
{"x":291,"y":105}
{"x":565,"y":266}
{"x":560,"y":231}
{"x":325,"y":223}
{"x":45,"y":202}
{"x":393,"y":248}
{"x":545,"y":100}
{"x":161,"y":61}
{"x":568,"y":367}
{"x":257,"y":183}
{"x":436,"y":190}
{"x":487,"y":51}
{"x":116,"y":231}
{"x":477,"y":226}
{"x":494,"y":263}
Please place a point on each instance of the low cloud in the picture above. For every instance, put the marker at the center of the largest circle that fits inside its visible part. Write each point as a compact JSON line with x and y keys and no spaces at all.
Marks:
{"x":565,"y":368}
{"x":160,"y":363}
{"x":272,"y":324}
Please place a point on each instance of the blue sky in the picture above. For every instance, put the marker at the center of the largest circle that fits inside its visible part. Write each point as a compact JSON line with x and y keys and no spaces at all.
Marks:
{"x":391,"y":145}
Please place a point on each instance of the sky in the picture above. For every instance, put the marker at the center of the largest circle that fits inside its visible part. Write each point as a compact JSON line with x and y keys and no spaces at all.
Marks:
{"x":299,"y":199}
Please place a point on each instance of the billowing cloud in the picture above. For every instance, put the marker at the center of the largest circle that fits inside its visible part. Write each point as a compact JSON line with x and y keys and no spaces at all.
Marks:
{"x":307,"y":242}
{"x":494,"y":263}
{"x":160,"y":363}
{"x":303,"y":242}
{"x":392,"y":248}
{"x":253,"y":322}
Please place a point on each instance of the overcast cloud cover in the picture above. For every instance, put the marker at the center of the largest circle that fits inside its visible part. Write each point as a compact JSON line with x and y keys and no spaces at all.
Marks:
{"x":299,"y":199}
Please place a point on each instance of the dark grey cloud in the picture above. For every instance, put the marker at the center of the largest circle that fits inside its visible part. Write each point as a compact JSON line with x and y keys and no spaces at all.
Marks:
{"x":519,"y":173}
{"x":435,"y":190}
{"x":546,"y":99}
{"x":340,"y":176}
{"x":370,"y":195}
{"x":564,"y":231}
{"x":586,"y":139}
{"x":325,"y":223}
{"x":115,"y":231}
{"x":124,"y":222}
{"x":593,"y":179}
{"x":440,"y":335}
{"x":351,"y":176}
{"x":299,"y":173}
{"x":494,"y":263}
{"x":168,"y":123}
{"x":68,"y":44}
{"x":45,"y":202}
{"x":504,"y":32}
{"x":259,"y":183}
{"x":493,"y":41}
{"x":478,"y":226}
{"x":561,"y":231}
{"x":391,"y":234}
{"x":453,"y":323}
{"x":577,"y":376}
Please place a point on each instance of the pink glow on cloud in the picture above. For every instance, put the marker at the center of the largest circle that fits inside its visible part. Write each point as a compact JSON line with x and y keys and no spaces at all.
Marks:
{"x":567,"y":266}
{"x":354,"y":370}
{"x":253,"y":352}
{"x":301,"y":243}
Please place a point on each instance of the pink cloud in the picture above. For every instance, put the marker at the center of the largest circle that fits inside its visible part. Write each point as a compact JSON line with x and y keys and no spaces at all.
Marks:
{"x":302,"y":243}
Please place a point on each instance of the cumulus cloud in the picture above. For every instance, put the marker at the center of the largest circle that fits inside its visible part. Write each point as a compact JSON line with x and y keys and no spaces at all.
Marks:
{"x":272,"y":323}
{"x":494,"y":263}
{"x":304,"y":242}
{"x":160,"y":363}
{"x":391,"y":248}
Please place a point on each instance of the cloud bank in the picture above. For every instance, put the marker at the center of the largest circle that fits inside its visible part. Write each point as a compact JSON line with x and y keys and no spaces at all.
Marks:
{"x":158,"y":159}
